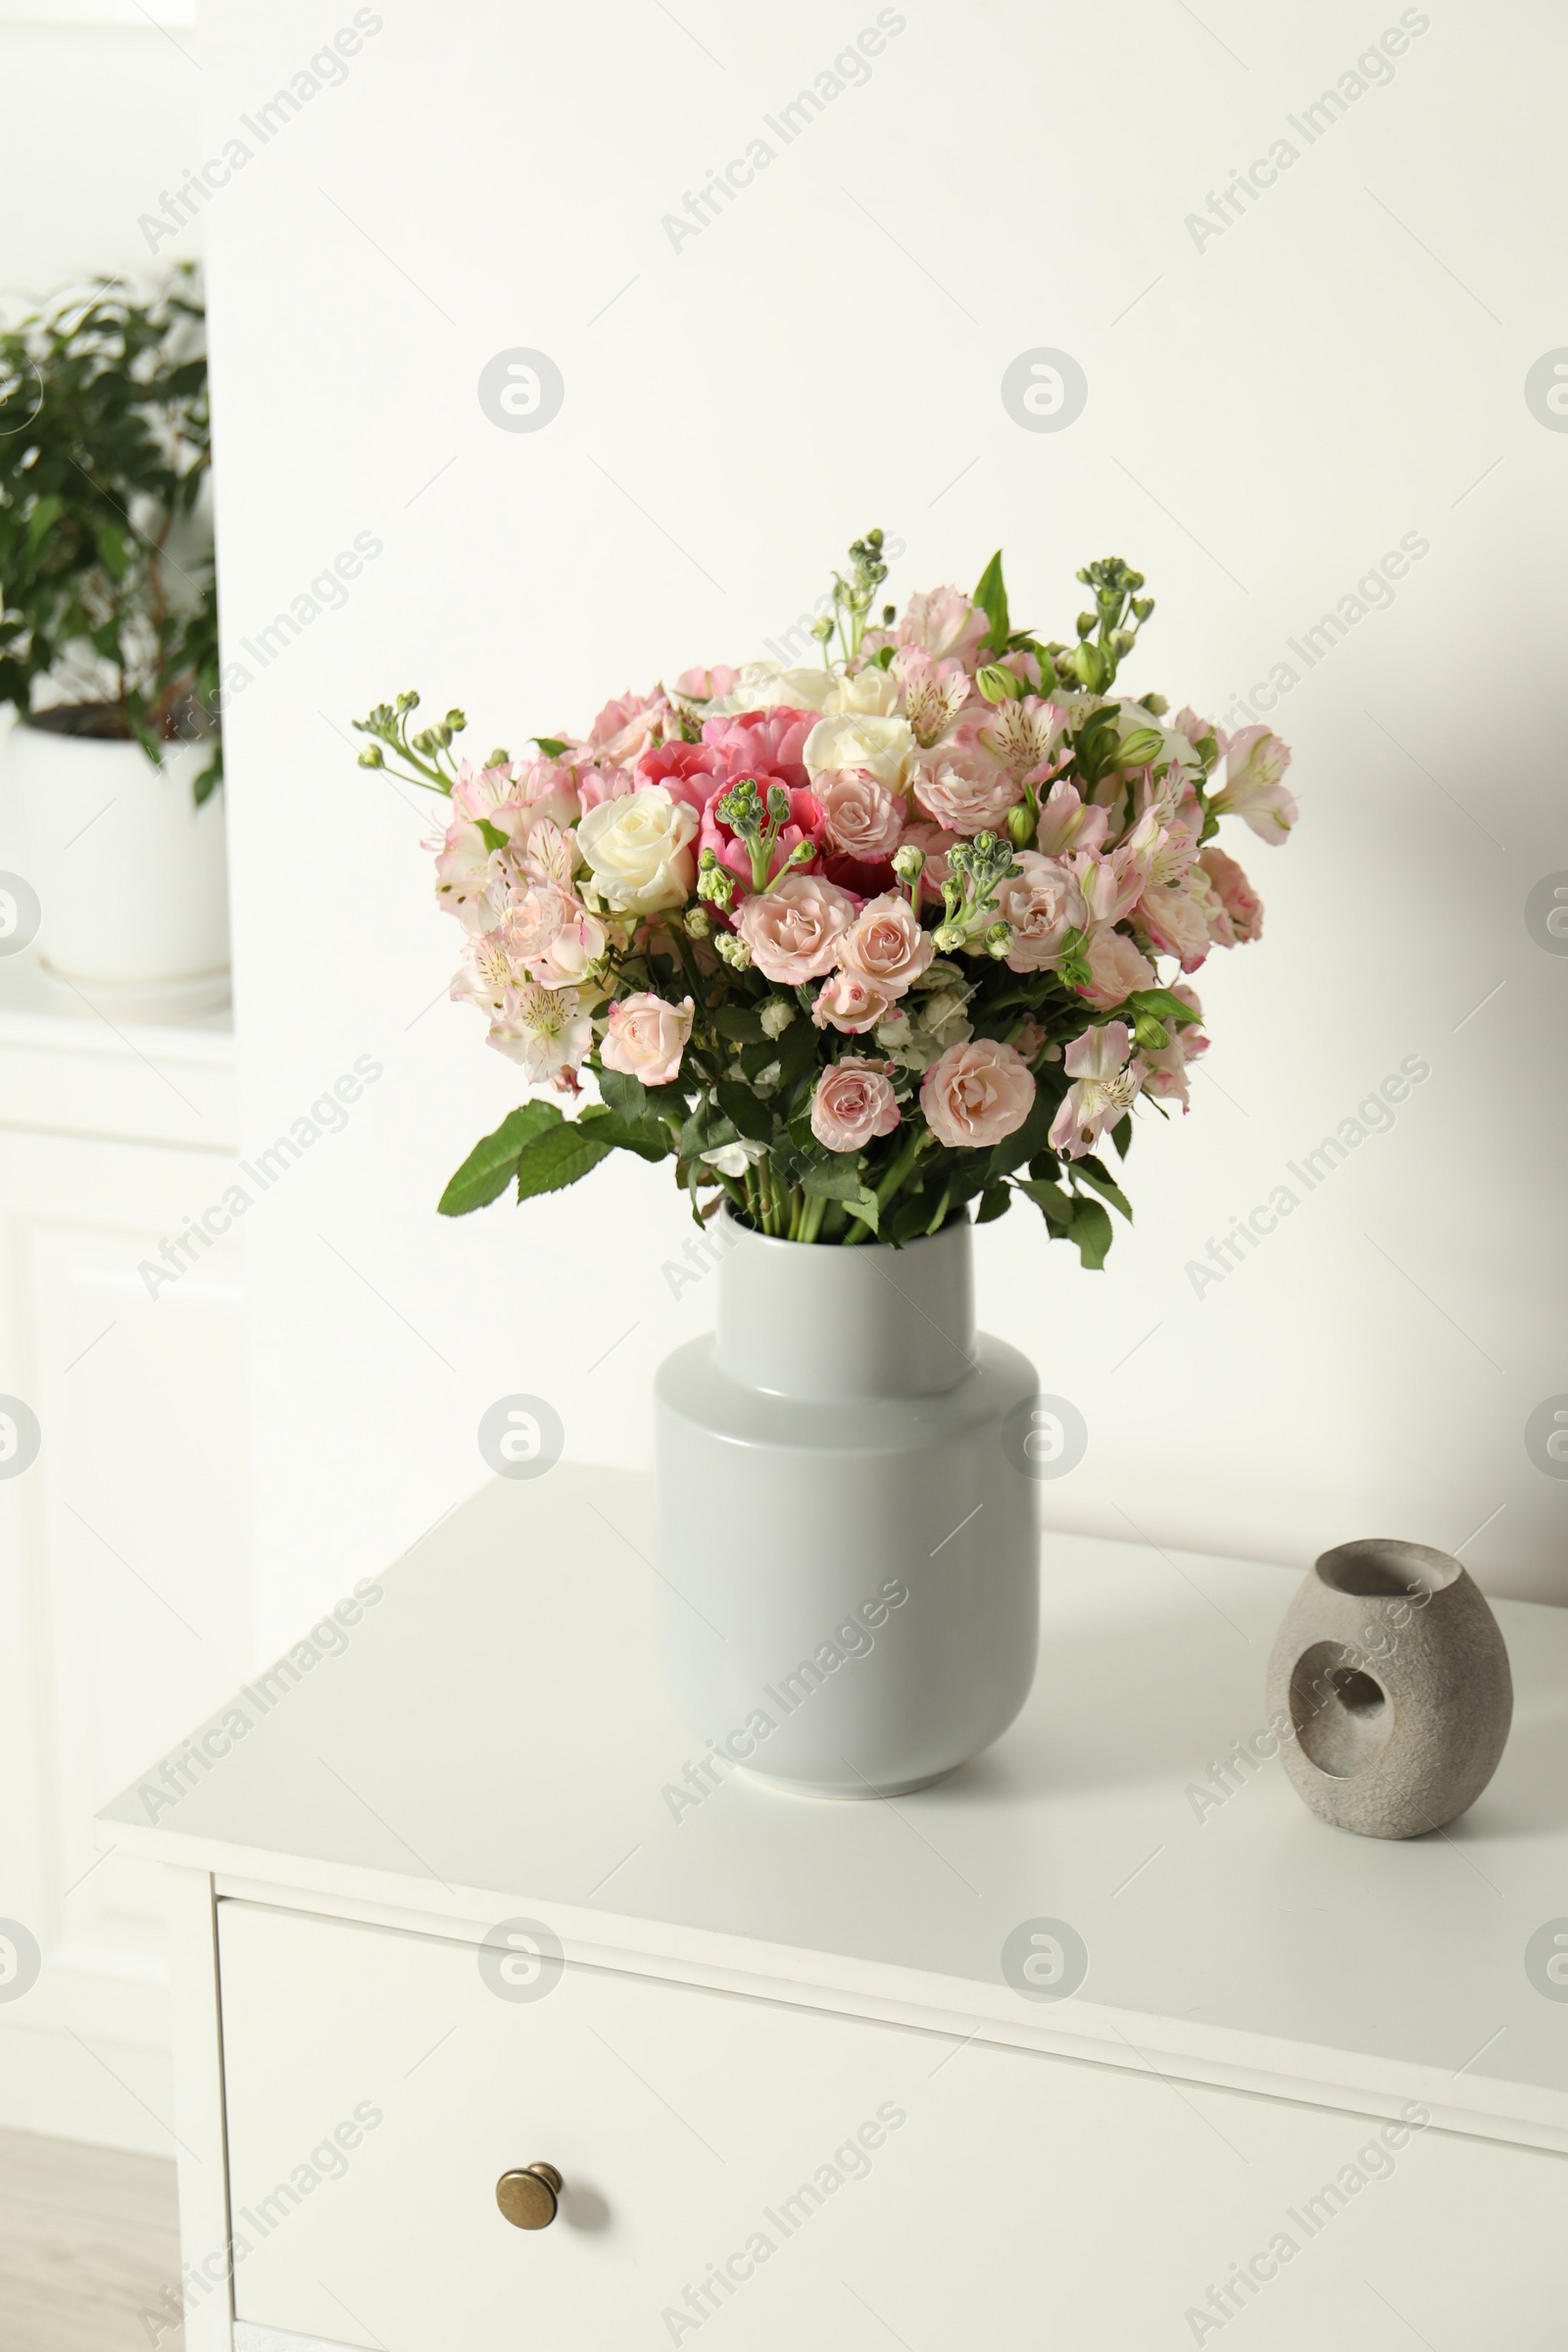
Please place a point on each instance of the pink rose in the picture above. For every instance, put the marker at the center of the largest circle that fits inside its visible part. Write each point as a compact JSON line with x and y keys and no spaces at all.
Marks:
{"x":935,"y":841}
{"x":647,"y":1038}
{"x":975,"y":1094}
{"x":944,"y":623}
{"x":596,"y":785}
{"x":1115,"y":969}
{"x":862,"y":818}
{"x":793,"y":930}
{"x":625,"y":727}
{"x":853,"y":1102}
{"x":1175,"y":922}
{"x":886,"y":946}
{"x":1040,"y":906}
{"x":851,"y":1003}
{"x":1242,"y":909}
{"x":960,"y":786}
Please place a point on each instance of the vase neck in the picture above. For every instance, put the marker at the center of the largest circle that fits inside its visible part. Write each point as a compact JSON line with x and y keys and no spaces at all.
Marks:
{"x":816,"y":1319}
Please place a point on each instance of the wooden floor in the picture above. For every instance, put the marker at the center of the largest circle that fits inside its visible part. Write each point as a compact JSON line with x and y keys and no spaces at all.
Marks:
{"x":88,"y":2241}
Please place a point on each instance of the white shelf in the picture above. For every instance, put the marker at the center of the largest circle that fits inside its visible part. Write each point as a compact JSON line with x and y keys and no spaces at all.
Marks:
{"x":494,"y":1741}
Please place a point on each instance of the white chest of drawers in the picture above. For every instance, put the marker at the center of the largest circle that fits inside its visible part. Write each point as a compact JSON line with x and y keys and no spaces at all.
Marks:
{"x":792,"y":2062}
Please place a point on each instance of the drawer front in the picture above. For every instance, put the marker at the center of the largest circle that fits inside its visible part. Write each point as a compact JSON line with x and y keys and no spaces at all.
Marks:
{"x":780,"y":2177}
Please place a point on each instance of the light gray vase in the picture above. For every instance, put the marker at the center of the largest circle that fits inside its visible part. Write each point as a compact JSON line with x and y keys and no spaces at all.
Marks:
{"x":849,"y":1564}
{"x":1388,"y":1684}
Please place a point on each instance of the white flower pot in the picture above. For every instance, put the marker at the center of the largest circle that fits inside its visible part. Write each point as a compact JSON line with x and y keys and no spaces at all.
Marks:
{"x":847,"y":1530}
{"x":130,"y":874}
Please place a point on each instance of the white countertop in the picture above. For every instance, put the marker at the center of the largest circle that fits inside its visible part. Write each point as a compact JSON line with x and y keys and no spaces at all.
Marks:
{"x":494,"y":1741}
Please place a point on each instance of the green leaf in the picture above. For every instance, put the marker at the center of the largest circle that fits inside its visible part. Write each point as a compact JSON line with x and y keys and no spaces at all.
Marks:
{"x":1092,"y":1231}
{"x":1025,"y":1141}
{"x":491,"y":835}
{"x":741,"y":1022}
{"x":796,"y":1052}
{"x":1054,"y":1206}
{"x":991,"y":598}
{"x":866,"y":1208}
{"x":1164,"y":1003}
{"x":1089,"y":1171}
{"x":745,"y":1112}
{"x":643,"y":1137}
{"x":41,"y":521}
{"x":557,"y":1158}
{"x":836,"y":1179}
{"x":1121,"y":1135}
{"x":550,"y":746}
{"x":627,"y":1097}
{"x":489,"y":1167}
{"x":113,"y":550}
{"x":995,"y":1201}
{"x":911,"y":1217}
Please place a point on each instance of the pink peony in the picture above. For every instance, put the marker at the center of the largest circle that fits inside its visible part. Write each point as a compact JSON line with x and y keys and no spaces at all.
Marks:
{"x":851,"y":1004}
{"x":886,"y":946}
{"x":646,"y":1038}
{"x":689,"y":771}
{"x":625,"y":727}
{"x":960,"y":785}
{"x":1240,"y":907}
{"x":1115,"y":969}
{"x":1106,"y":1086}
{"x":804,"y":823}
{"x":793,"y":930}
{"x":854,"y":1103}
{"x":861,"y":815}
{"x":1040,"y":906}
{"x":762,"y":743}
{"x":975,"y":1094}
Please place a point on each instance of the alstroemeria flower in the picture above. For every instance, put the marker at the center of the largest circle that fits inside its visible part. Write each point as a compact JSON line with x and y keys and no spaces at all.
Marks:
{"x":1255,"y":760}
{"x":1107,"y":1078}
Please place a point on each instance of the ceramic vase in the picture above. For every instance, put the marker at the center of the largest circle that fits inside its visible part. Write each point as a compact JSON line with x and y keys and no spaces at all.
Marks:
{"x":1389,"y":1682}
{"x":846,"y":1531}
{"x":132,"y":876}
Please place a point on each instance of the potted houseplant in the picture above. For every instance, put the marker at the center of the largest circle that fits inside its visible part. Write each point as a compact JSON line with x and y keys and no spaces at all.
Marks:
{"x":862,"y":949}
{"x":108,"y":646}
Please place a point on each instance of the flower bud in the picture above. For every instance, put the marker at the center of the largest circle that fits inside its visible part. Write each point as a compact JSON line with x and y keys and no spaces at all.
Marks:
{"x":734,"y":950}
{"x":457,"y":720}
{"x":997,"y":684}
{"x":1021,"y":823}
{"x":1140,"y":746}
{"x":909,"y":862}
{"x":697,"y":923}
{"x":776,"y":1016}
{"x":999,"y":941}
{"x":1149,"y":1034}
{"x":372,"y":755}
{"x":500,"y":758}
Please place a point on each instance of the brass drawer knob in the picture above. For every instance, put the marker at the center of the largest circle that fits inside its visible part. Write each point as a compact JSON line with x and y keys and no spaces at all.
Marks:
{"x":530,"y":2198}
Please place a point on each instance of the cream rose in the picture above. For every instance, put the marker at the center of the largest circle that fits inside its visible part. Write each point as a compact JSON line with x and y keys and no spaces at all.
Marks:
{"x":763,"y":684}
{"x":976,"y":1094}
{"x":853,"y":1102}
{"x":646,"y":1038}
{"x":863,"y":818}
{"x":639,"y":850}
{"x":886,"y":946}
{"x":871,"y":692}
{"x":884,"y":745}
{"x":794,"y":929}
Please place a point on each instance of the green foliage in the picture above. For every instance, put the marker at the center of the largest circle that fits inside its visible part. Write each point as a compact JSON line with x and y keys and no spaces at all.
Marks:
{"x":105,"y":574}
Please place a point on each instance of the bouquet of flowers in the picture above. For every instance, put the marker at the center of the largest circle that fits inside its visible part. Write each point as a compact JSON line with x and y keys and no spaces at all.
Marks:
{"x":855,"y":943}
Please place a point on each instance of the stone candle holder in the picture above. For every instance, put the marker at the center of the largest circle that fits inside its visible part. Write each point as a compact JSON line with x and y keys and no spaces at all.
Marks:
{"x":1388,"y":1684}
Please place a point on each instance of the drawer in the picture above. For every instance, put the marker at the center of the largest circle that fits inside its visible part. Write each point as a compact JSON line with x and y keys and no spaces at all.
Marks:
{"x":769,"y":2177}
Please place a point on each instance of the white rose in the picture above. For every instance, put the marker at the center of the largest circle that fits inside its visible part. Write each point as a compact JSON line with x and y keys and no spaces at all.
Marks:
{"x":885,"y":746}
{"x":871,"y":691}
{"x":763,"y":684}
{"x":639,"y":850}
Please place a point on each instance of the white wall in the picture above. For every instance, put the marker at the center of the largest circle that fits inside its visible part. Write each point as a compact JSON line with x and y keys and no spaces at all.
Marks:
{"x":1269,"y":412}
{"x":101,"y":120}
